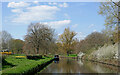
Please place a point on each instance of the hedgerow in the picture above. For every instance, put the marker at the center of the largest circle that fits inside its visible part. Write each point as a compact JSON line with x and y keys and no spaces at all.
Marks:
{"x":23,"y":66}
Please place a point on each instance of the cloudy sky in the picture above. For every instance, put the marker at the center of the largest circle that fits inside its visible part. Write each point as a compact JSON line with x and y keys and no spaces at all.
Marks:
{"x":82,"y":17}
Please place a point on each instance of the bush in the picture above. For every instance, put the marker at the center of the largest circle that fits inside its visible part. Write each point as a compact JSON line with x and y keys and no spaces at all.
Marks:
{"x":108,"y":52}
{"x":3,"y":60}
{"x":34,"y":56}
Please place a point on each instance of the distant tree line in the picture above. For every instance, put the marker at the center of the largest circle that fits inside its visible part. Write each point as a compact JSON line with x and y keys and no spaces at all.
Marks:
{"x":9,"y":43}
{"x":41,"y":39}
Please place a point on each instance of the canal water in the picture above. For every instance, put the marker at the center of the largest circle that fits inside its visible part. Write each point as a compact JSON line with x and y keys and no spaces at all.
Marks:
{"x":69,"y":65}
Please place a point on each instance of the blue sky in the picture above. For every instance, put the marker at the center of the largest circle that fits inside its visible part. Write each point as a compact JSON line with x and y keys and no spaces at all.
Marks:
{"x":82,"y":17}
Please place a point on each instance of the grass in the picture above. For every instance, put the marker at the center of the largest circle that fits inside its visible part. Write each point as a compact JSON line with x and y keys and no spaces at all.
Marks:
{"x":6,"y":66}
{"x":22,"y":65}
{"x":70,"y":55}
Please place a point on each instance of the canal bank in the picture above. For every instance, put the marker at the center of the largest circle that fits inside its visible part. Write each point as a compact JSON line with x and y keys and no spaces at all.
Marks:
{"x":106,"y":61}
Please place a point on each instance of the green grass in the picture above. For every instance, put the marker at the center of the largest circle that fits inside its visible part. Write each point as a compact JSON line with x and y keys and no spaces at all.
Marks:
{"x":6,"y":66}
{"x":70,"y":55}
{"x":23,"y":65}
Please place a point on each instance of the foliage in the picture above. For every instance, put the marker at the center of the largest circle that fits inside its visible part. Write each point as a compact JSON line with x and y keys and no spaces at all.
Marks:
{"x":110,"y":11}
{"x":67,"y":40}
{"x":16,"y":46}
{"x":92,"y":41}
{"x":34,"y":56}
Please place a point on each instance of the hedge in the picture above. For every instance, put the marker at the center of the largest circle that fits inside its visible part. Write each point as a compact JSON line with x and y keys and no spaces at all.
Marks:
{"x":24,"y":66}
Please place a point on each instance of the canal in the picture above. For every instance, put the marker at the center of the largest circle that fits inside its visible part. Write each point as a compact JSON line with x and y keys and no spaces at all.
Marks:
{"x":69,"y":65}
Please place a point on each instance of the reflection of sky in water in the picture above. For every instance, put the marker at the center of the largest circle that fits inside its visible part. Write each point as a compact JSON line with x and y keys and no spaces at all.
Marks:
{"x":76,"y":66}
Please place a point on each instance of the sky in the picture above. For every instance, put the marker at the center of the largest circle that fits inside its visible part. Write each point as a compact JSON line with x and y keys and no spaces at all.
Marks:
{"x":81,"y":17}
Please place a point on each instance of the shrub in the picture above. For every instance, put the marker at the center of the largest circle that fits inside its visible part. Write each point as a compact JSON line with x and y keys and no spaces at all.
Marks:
{"x":3,"y":60}
{"x":34,"y":56}
{"x":108,"y":52}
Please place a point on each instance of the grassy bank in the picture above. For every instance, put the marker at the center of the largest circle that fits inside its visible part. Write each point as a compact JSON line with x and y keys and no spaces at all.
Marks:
{"x":70,"y":55}
{"x":23,"y":65}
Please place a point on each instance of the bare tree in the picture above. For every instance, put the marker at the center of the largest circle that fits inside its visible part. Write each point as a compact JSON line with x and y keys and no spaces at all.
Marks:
{"x":39,"y":37}
{"x":92,"y":41}
{"x":96,"y":39}
{"x":5,"y":39}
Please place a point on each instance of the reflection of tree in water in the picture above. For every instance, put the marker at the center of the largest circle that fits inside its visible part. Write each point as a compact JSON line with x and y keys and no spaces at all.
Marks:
{"x":103,"y":68}
{"x":68,"y":66}
{"x":64,"y":66}
{"x":95,"y":68}
{"x":73,"y":66}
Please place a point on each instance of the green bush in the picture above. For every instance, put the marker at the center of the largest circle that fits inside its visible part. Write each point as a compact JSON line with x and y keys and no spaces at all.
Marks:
{"x":34,"y":56}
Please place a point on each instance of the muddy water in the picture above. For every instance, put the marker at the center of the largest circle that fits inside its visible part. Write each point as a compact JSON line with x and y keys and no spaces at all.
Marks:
{"x":65,"y":65}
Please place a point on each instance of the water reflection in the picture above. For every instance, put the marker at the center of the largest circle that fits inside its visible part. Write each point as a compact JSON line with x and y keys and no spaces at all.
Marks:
{"x":56,"y":61}
{"x":77,"y":66}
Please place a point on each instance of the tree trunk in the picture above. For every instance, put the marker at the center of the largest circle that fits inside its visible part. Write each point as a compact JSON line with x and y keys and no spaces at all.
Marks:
{"x":37,"y":50}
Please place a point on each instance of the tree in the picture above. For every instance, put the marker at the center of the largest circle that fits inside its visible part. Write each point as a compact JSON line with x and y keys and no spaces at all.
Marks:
{"x":5,"y":40}
{"x":17,"y":46}
{"x":67,"y":40}
{"x":112,"y":22}
{"x":92,"y":41}
{"x":82,"y":46}
{"x":110,"y":11}
{"x":40,"y":37}
{"x":96,"y":39}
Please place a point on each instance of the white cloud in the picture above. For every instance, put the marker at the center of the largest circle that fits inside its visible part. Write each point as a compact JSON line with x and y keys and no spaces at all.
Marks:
{"x":18,"y":5}
{"x":90,"y":26}
{"x":36,"y":2}
{"x":80,"y":36}
{"x":74,"y":26}
{"x":94,"y":30}
{"x":58,"y":4}
{"x":16,"y":10}
{"x":54,"y":3}
{"x":63,"y":5}
{"x":36,"y":13}
{"x":58,"y":24}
